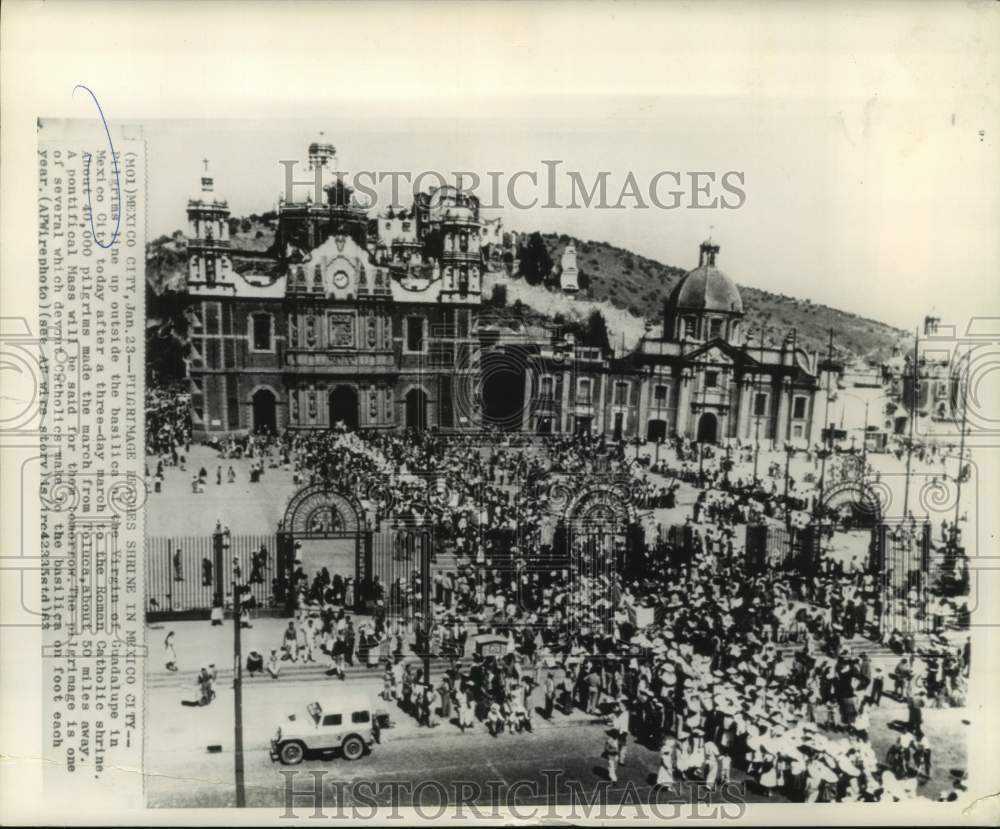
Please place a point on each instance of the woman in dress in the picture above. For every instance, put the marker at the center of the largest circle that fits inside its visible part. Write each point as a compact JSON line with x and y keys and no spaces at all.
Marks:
{"x":170,"y":654}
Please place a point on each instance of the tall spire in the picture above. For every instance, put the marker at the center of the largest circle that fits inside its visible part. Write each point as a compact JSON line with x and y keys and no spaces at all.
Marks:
{"x":207,"y":184}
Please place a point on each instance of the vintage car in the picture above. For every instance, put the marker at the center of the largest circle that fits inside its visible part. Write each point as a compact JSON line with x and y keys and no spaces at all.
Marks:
{"x":345,"y":722}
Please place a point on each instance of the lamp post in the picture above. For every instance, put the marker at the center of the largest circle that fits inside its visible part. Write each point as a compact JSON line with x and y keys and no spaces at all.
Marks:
{"x":961,"y":445}
{"x":913,"y":416}
{"x":237,"y":676}
{"x":789,"y":451}
{"x":762,"y":330}
{"x":828,"y":440}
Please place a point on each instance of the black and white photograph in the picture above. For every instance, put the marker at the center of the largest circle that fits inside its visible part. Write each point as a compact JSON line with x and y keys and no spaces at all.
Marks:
{"x":517,"y":455}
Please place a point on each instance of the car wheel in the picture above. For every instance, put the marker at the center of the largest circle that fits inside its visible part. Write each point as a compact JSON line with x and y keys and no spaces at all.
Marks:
{"x":352,"y":748}
{"x":292,"y":753}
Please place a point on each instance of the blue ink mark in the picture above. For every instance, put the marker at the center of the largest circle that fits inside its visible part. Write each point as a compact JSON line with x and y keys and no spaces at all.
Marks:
{"x":86,"y":174}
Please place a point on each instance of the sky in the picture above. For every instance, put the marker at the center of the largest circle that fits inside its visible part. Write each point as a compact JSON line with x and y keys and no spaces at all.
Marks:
{"x":880,"y":211}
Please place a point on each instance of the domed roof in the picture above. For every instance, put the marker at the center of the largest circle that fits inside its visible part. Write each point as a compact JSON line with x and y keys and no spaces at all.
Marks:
{"x":706,"y":288}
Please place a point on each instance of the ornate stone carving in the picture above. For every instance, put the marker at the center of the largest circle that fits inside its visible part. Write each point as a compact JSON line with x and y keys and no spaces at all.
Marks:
{"x":341,"y":330}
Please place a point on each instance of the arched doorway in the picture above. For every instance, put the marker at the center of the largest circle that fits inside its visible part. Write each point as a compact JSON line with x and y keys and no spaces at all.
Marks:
{"x":656,"y":431}
{"x":502,"y":387}
{"x":708,"y":428}
{"x":323,"y":529}
{"x":265,"y":404}
{"x":344,"y":406}
{"x":416,"y":409}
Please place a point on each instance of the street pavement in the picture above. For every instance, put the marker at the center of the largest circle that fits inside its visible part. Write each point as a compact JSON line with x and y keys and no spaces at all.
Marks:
{"x":182,"y":772}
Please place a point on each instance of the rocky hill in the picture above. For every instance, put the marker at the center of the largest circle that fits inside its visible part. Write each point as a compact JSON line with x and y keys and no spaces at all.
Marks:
{"x":641,"y":285}
{"x":609,"y":276}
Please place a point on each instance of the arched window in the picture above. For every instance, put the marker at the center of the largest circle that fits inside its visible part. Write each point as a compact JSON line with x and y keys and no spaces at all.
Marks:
{"x":261,"y":332}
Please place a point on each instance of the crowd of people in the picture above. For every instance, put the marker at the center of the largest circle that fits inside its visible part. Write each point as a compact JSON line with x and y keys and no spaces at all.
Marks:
{"x":681,"y":644}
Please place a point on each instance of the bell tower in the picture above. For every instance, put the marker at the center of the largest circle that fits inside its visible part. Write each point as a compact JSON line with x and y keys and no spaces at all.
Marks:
{"x":208,"y":238}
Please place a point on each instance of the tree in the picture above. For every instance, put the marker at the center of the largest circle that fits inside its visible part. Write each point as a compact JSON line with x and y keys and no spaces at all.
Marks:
{"x":536,"y":263}
{"x":596,"y":334}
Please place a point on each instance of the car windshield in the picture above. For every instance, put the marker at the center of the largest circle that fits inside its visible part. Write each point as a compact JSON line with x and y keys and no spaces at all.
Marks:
{"x":314,"y":711}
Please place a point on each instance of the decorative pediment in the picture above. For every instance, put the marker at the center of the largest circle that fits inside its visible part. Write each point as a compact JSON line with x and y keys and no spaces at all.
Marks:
{"x":716,"y":352}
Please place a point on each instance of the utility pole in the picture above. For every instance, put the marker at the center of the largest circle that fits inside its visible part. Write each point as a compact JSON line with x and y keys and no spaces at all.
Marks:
{"x":425,"y":599}
{"x":756,"y":417}
{"x":828,"y":439}
{"x":224,"y":541}
{"x":913,"y":417}
{"x":961,"y":444}
{"x":788,"y":463}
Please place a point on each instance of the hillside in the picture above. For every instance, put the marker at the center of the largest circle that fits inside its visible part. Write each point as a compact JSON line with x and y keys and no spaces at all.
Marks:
{"x":609,"y":275}
{"x":641,"y":285}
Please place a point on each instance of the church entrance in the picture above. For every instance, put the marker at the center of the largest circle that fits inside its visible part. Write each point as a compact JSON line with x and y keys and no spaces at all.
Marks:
{"x":416,"y":409}
{"x":264,"y":411}
{"x":656,"y":431}
{"x":502,"y":388}
{"x":344,"y":407}
{"x":708,"y":428}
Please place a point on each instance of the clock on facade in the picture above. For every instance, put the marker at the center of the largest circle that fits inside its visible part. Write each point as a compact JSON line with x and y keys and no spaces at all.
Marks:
{"x":340,"y":279}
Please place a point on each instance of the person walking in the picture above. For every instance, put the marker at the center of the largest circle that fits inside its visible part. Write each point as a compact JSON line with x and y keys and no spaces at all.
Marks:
{"x":665,"y":773}
{"x":550,"y":695}
{"x":611,"y":755}
{"x":170,"y":654}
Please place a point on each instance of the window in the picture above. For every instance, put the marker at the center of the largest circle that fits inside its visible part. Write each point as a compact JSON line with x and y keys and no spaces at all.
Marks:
{"x":213,"y":358}
{"x":333,"y":719}
{"x":760,"y":405}
{"x":406,"y":227}
{"x":715,"y":328}
{"x":414,"y":333}
{"x":583,"y":392}
{"x":799,"y":408}
{"x":660,"y":394}
{"x":360,"y":717}
{"x":621,"y":394}
{"x":261,"y":332}
{"x":547,"y":386}
{"x":711,"y":379}
{"x":212,"y":317}
{"x":690,"y":325}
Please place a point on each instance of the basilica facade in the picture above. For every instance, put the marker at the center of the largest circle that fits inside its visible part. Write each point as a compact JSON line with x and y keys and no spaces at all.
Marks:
{"x":705,"y":377}
{"x":345,"y":319}
{"x":375,"y":323}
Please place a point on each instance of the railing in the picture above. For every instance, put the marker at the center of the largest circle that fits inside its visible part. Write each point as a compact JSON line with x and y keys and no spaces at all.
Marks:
{"x":303,"y":359}
{"x":185,"y":573}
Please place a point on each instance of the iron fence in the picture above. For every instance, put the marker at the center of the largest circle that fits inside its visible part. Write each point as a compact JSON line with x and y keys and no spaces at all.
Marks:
{"x":184,"y":574}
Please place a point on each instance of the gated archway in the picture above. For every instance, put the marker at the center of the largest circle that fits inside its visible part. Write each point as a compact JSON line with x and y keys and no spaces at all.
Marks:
{"x":323,"y":528}
{"x":597,"y":540}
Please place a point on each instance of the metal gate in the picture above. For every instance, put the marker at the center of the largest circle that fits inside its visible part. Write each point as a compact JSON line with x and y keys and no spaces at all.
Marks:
{"x":902,"y":565}
{"x":184,"y":574}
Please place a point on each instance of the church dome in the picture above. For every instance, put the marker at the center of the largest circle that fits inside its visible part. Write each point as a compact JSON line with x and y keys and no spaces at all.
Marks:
{"x":706,"y":288}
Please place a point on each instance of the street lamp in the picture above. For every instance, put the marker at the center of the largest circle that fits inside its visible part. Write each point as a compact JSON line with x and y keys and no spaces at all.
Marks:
{"x":762,"y":330}
{"x":225,"y":543}
{"x":789,"y":451}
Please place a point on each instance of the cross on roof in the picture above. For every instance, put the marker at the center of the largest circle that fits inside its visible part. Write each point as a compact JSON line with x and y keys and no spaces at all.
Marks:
{"x":205,"y":162}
